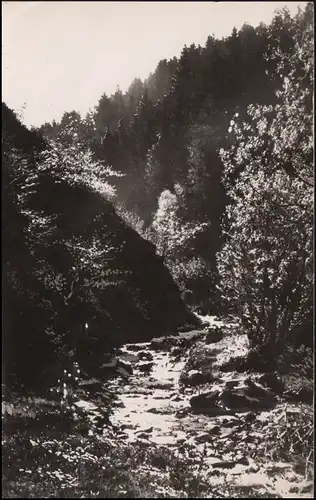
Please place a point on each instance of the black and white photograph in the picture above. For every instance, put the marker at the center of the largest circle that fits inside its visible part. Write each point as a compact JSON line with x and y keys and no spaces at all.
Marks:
{"x":157,"y":249}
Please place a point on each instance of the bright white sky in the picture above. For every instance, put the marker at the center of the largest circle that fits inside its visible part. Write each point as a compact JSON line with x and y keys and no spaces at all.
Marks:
{"x":60,"y":56}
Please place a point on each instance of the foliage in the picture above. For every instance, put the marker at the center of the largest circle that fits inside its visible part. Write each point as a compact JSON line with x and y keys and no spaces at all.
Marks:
{"x":295,"y":437}
{"x":69,"y":260}
{"x":90,"y":464}
{"x":169,"y":129}
{"x":174,"y":238}
{"x":265,"y":264}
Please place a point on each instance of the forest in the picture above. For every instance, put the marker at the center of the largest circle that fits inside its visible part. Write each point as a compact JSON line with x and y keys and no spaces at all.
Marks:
{"x":188,"y":196}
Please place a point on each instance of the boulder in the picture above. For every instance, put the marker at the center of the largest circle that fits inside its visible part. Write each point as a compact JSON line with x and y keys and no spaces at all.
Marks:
{"x":252,"y":397}
{"x":206,"y":402}
{"x":195,"y":377}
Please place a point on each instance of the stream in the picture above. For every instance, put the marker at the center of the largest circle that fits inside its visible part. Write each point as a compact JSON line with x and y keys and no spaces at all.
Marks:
{"x":230,"y":450}
{"x":153,"y":408}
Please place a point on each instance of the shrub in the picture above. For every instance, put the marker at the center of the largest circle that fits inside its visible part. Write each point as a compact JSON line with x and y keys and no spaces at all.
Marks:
{"x":266,"y":262}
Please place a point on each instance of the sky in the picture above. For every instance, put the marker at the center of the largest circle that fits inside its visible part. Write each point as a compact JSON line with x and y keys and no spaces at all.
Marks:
{"x":62,"y":56}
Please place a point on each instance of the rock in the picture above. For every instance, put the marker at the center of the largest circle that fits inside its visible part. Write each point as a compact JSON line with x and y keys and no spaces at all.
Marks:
{"x":227,"y":433}
{"x":135,"y":347}
{"x":122,"y":435}
{"x":182,"y":413}
{"x":128,"y":426}
{"x":176,"y":398}
{"x":145,"y":355}
{"x":257,"y":391}
{"x":194,"y":377}
{"x":232,"y":421}
{"x":214,"y":336}
{"x":159,"y":411}
{"x":225,"y":464}
{"x":144,"y":431}
{"x":205,"y":402}
{"x":114,"y":367}
{"x":234,"y":399}
{"x":247,"y":398}
{"x":191,"y":335}
{"x":109,"y":369}
{"x":91,"y":386}
{"x":124,"y":368}
{"x":250,"y":417}
{"x":139,"y":390}
{"x":213,"y":428}
{"x":164,"y":343}
{"x":142,"y":435}
{"x":128,"y":357}
{"x":272,"y":381}
{"x":118,"y":404}
{"x":230,"y":384}
{"x":145,"y":367}
{"x":204,"y":437}
{"x":160,"y":385}
{"x":144,"y":443}
{"x":233,"y":364}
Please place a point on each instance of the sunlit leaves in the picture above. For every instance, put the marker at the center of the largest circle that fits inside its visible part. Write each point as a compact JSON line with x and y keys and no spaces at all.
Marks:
{"x":172,"y":232}
{"x":77,"y":167}
{"x":268,"y":172}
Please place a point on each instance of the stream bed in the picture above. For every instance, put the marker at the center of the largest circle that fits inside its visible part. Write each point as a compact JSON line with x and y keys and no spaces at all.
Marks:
{"x":154,"y":408}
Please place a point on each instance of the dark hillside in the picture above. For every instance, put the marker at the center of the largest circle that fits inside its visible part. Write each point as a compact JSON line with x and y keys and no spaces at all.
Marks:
{"x":69,"y":261}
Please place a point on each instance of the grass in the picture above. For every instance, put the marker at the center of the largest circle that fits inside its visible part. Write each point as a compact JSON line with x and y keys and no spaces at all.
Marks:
{"x":43,"y":460}
{"x":67,"y":464}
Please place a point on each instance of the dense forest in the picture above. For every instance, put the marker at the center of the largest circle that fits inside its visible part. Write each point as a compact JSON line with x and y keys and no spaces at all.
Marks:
{"x":190,"y":192}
